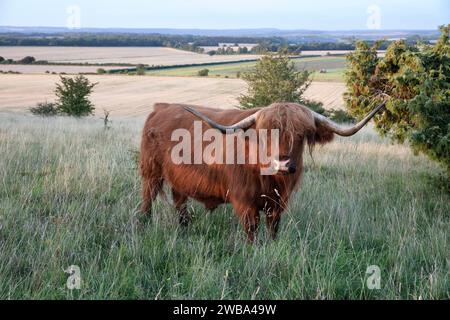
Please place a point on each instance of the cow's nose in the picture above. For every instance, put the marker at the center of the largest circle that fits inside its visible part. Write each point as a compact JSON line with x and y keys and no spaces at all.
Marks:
{"x":292,"y":168}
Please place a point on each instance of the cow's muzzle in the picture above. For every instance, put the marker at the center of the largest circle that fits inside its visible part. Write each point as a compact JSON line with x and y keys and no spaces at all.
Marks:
{"x":284,"y":166}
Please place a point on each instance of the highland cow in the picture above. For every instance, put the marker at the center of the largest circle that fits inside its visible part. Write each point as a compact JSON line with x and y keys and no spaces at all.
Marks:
{"x":240,"y":184}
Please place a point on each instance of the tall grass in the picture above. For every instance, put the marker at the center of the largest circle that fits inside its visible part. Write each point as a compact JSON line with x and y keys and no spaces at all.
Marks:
{"x":70,"y":193}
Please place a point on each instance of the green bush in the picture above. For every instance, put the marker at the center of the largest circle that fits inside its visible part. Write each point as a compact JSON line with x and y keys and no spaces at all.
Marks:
{"x":28,"y":60}
{"x":45,"y":109}
{"x":73,"y":96}
{"x":340,"y":116}
{"x":2,"y":59}
{"x":140,"y":70}
{"x":415,"y":80}
{"x":274,"y":79}
{"x":101,"y":71}
{"x":203,"y":72}
{"x":316,"y":106}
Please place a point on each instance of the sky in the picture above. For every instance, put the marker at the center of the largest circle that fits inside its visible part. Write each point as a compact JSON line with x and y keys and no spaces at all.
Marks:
{"x":228,"y":14}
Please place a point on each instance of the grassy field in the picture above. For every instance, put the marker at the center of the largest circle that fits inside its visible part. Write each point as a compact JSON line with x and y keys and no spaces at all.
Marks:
{"x":134,"y":55}
{"x":333,"y":65}
{"x":70,"y":196}
{"x":332,"y":75}
{"x":135,"y":95}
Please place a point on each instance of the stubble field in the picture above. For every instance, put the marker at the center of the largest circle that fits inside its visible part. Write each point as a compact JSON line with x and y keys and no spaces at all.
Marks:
{"x":158,"y":56}
{"x":135,"y":95}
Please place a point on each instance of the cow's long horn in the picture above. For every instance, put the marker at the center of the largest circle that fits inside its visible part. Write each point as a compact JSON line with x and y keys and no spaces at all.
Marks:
{"x":346,"y":131}
{"x":243,"y":124}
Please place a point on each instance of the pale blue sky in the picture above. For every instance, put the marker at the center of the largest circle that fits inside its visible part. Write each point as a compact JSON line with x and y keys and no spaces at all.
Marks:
{"x":229,"y":14}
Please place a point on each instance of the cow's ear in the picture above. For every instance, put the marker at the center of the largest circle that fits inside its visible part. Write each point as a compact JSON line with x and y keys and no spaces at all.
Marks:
{"x":322,"y":135}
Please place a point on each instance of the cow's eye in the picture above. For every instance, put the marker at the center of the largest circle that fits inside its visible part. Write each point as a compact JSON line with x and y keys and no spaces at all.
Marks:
{"x":284,"y":157}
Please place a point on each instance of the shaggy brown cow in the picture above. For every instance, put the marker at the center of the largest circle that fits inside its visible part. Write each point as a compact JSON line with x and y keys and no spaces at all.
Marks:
{"x":242,"y":185}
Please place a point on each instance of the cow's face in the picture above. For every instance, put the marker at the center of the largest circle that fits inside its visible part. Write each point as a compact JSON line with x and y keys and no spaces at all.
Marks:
{"x":293,"y":125}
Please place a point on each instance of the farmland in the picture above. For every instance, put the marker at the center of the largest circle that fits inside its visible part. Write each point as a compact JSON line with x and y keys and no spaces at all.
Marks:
{"x":40,"y":69}
{"x":159,"y":56}
{"x":70,"y":196}
{"x":133,"y":95}
{"x":130,"y":55}
{"x":70,"y":193}
{"x":334,"y":66}
{"x":249,"y":46}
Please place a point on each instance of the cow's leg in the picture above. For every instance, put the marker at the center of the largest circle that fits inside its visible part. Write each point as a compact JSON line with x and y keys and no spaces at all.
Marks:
{"x":150,"y":189}
{"x":180,"y":204}
{"x":249,"y":217}
{"x":273,"y":222}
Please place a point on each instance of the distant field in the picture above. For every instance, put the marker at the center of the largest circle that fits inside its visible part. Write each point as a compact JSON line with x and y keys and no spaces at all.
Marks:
{"x":229,"y":70}
{"x":333,"y":65}
{"x":132,"y":55}
{"x":318,"y":63}
{"x":39,"y":69}
{"x":332,"y":75}
{"x":249,"y":46}
{"x":135,"y":95}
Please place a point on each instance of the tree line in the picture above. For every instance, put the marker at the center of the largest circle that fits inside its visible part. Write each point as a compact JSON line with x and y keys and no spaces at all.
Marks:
{"x":123,"y":40}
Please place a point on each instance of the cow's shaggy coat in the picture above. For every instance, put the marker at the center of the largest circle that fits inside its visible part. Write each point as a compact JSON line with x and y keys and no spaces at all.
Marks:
{"x":242,"y":185}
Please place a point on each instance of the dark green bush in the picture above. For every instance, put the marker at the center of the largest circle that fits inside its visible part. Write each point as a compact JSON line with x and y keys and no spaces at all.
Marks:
{"x":28,"y":60}
{"x":73,"y":96}
{"x":274,"y":79}
{"x":203,"y":72}
{"x":45,"y":109}
{"x":415,"y":81}
{"x":340,"y":116}
{"x":140,"y":70}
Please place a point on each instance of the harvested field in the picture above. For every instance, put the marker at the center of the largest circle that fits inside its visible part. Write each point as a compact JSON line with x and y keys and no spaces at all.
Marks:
{"x":134,"y":95}
{"x":329,"y":93}
{"x":39,"y":69}
{"x":122,"y":94}
{"x":133,"y":55}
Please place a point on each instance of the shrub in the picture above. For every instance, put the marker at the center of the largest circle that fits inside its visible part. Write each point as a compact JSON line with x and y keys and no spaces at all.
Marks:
{"x":274,"y":79}
{"x":340,"y":116}
{"x":415,"y":81}
{"x":203,"y":72}
{"x":73,"y":96}
{"x":140,"y":70}
{"x":314,"y":106}
{"x":2,"y":59}
{"x":28,"y":60}
{"x":45,"y":109}
{"x":101,"y":71}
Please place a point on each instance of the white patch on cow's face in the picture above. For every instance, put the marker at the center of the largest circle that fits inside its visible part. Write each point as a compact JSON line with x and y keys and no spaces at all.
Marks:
{"x":281,"y":166}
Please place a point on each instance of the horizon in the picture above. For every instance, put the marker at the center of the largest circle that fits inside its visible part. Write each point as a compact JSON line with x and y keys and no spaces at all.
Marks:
{"x":219,"y":29}
{"x":282,"y":15}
